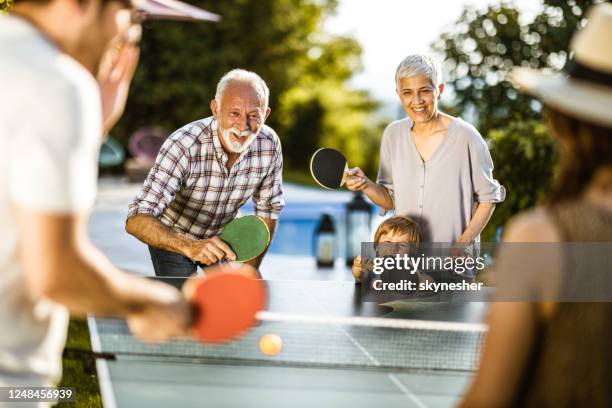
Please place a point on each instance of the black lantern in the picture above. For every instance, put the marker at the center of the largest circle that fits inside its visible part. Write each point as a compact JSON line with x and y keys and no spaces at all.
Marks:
{"x":325,"y":237}
{"x":358,"y":219}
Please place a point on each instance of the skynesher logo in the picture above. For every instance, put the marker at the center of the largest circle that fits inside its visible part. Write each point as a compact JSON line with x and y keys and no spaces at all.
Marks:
{"x":406,"y":285}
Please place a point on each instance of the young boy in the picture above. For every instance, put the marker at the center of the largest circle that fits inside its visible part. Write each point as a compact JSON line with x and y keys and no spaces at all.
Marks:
{"x":395,"y":232}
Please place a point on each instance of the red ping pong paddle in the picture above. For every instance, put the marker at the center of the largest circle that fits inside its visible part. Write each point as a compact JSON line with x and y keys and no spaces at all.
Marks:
{"x":227,"y":301}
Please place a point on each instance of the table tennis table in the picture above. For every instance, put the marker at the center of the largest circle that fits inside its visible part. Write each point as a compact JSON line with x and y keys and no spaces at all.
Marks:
{"x":320,"y":365}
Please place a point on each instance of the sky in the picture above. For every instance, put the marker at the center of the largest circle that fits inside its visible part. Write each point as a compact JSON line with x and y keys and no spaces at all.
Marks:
{"x":388,"y":30}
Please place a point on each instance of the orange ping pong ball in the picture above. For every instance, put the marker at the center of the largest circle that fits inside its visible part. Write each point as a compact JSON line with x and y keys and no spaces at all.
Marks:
{"x":270,"y":344}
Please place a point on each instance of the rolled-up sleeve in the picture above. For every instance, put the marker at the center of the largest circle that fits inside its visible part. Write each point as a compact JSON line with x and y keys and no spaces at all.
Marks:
{"x":163,"y":181}
{"x":486,"y":188}
{"x":268,"y":197}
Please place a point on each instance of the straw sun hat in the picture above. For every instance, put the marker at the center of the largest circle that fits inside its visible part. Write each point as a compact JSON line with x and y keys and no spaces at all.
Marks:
{"x":584,"y":89}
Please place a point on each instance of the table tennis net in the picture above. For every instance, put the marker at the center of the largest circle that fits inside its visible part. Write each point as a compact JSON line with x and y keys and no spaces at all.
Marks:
{"x":412,"y":345}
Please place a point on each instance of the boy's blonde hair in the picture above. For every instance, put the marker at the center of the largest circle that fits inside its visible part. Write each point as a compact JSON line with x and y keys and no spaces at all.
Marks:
{"x":399,"y":224}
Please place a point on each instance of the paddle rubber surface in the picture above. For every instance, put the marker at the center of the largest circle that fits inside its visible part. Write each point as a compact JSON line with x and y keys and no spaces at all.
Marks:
{"x":327,"y":167}
{"x":227,"y":303}
{"x":248,"y":236}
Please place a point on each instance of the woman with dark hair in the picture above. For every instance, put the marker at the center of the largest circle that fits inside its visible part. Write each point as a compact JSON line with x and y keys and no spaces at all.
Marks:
{"x":557,"y":353}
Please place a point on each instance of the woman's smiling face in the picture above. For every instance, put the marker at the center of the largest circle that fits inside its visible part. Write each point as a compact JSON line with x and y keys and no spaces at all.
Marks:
{"x":419,"y":97}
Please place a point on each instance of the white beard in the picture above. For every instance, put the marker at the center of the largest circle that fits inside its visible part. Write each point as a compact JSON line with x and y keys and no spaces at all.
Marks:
{"x":236,"y":147}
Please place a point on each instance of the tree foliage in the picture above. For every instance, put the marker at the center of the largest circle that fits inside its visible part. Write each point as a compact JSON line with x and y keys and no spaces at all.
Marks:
{"x":524,"y":154}
{"x":284,"y":42}
{"x":326,"y":114}
{"x":482,"y":46}
{"x":479,"y":50}
{"x":5,"y":5}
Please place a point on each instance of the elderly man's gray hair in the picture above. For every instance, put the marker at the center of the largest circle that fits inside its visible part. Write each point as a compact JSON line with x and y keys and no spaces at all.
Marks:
{"x":419,"y":64}
{"x":245,"y":77}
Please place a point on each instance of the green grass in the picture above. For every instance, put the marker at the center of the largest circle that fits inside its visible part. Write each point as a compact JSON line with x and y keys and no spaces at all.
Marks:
{"x":75,"y":371}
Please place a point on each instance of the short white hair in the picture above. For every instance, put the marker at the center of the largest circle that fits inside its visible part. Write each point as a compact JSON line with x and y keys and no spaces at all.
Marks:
{"x":245,"y":77}
{"x":419,"y":64}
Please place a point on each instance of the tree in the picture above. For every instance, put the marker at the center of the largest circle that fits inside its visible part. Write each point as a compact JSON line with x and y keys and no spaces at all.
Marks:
{"x":283,"y":41}
{"x":5,"y":5}
{"x":524,"y":154}
{"x":482,"y":46}
{"x":479,"y":51}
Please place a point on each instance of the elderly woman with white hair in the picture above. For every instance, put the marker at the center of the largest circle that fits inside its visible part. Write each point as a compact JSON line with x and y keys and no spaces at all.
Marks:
{"x":434,"y":168}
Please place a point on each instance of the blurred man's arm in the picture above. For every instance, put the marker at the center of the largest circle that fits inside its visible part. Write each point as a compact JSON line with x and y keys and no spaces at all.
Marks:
{"x":61,"y":264}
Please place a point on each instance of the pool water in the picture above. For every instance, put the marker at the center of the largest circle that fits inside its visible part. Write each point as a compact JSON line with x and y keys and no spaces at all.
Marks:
{"x":295,"y":233}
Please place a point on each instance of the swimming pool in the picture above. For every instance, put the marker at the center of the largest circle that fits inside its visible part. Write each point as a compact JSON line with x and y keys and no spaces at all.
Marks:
{"x":295,"y":233}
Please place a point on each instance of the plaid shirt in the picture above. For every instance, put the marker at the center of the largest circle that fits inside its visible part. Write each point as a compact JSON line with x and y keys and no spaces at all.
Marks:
{"x":191,"y":191}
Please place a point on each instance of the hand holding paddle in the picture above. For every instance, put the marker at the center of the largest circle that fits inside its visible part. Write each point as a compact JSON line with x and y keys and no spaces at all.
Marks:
{"x":213,"y":309}
{"x":226,"y":302}
{"x":330,"y":170}
{"x":248,"y":237}
{"x":357,"y":179}
{"x":161,"y":314}
{"x":242,"y":239}
{"x":210,"y":251}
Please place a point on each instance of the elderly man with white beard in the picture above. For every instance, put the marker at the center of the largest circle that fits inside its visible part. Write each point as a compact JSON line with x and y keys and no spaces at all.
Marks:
{"x":204,"y":173}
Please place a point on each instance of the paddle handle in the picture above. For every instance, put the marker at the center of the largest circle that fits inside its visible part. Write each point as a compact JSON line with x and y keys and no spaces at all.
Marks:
{"x":345,"y":176}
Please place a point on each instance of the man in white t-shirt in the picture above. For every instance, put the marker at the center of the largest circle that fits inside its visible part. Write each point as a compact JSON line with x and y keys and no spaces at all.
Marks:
{"x":52,"y":117}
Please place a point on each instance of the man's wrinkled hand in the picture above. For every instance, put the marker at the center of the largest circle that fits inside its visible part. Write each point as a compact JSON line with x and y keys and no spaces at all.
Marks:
{"x":210,"y":251}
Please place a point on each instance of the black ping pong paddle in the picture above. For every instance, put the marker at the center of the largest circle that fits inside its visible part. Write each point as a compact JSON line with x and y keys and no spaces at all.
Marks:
{"x":328,"y":168}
